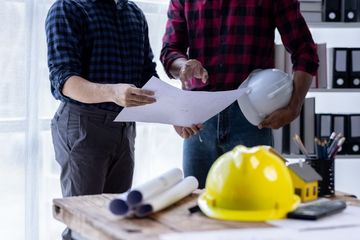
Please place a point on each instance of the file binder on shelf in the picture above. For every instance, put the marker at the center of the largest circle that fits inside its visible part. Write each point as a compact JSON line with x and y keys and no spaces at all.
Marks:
{"x":323,"y":126}
{"x":350,"y":10}
{"x":340,"y":66}
{"x":354,"y":71}
{"x":286,"y":139}
{"x":294,"y":129}
{"x":332,"y":10}
{"x":308,"y":124}
{"x":353,"y":140}
{"x":322,"y":71}
{"x":339,"y":125}
{"x":278,"y":139}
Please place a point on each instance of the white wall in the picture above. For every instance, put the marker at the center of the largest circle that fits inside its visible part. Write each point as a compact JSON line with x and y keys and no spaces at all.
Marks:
{"x":347,"y":176}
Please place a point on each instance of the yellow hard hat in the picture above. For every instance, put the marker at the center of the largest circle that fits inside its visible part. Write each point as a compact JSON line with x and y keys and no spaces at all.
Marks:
{"x":248,"y":184}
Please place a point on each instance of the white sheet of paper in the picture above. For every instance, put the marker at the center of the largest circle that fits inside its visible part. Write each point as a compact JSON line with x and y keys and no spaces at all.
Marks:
{"x":233,"y":234}
{"x":345,"y":225}
{"x":347,"y":218}
{"x":236,"y":234}
{"x":178,"y":107}
{"x":348,"y":233}
{"x":352,"y":233}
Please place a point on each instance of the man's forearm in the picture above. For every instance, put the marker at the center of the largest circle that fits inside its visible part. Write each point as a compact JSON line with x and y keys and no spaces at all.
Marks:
{"x":302,"y":83}
{"x":84,"y":91}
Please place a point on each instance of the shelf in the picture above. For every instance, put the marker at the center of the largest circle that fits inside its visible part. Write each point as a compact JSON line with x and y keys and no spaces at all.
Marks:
{"x":334,"y":25}
{"x":344,"y":156}
{"x":335,"y":90}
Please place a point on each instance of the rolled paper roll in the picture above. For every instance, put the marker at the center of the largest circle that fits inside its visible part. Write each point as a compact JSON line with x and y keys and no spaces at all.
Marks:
{"x":154,"y":187}
{"x":168,"y":197}
{"x":118,"y":205}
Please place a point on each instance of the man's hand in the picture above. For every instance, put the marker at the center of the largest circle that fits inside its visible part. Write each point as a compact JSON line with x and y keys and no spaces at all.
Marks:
{"x":190,"y":70}
{"x":283,"y":116}
{"x":127,"y":95}
{"x":186,"y":132}
{"x":279,"y":118}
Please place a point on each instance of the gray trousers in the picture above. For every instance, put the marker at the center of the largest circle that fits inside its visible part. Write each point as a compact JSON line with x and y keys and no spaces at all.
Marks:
{"x":96,"y":155}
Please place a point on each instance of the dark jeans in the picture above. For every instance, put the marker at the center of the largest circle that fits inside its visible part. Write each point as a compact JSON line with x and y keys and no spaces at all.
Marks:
{"x":219,"y":135}
{"x":96,"y":155}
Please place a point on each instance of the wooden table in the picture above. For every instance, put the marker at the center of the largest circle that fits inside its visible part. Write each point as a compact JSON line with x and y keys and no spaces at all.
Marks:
{"x":90,"y":217}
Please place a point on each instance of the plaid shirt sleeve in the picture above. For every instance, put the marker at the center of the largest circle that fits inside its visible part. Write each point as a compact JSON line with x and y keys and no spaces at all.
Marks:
{"x":149,"y":65}
{"x":296,"y":36}
{"x":63,"y":31}
{"x":175,"y":41}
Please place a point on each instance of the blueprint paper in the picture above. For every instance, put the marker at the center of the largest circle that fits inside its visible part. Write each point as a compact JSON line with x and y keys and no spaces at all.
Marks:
{"x":347,"y":218}
{"x":177,"y":192}
{"x":156,"y":185}
{"x":179,"y":107}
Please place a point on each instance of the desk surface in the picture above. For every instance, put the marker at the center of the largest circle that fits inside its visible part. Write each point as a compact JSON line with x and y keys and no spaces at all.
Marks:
{"x":90,"y":217}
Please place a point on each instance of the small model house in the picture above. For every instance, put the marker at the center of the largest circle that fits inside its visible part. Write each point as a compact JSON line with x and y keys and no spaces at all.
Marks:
{"x":305,"y":180}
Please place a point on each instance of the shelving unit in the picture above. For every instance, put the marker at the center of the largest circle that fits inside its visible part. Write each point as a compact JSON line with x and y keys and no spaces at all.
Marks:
{"x":335,"y":90}
{"x":334,"y":25}
{"x":336,"y":34}
{"x":336,"y":100}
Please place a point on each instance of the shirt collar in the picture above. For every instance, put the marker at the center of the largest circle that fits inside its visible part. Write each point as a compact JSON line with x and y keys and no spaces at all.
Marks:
{"x":120,"y":3}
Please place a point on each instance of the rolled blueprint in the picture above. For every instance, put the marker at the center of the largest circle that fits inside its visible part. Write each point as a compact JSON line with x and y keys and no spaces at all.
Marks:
{"x":168,"y":197}
{"x":154,"y":187}
{"x":118,"y":205}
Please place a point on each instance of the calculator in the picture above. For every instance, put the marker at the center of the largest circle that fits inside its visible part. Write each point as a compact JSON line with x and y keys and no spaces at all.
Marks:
{"x":314,"y":211}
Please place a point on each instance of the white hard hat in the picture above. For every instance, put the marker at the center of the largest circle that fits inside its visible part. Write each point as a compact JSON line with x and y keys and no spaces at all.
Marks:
{"x":267,"y":91}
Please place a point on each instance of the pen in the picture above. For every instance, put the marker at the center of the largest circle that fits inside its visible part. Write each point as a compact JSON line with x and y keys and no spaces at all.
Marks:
{"x":333,"y":144}
{"x":331,"y":138}
{"x":300,"y":144}
{"x":317,"y":148}
{"x":200,"y":139}
{"x":336,"y":148}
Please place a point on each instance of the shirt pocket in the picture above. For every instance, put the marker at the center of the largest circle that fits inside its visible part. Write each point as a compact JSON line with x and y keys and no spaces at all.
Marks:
{"x":73,"y":129}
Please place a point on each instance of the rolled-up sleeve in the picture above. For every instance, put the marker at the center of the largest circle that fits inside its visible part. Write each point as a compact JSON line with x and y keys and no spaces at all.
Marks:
{"x":149,"y":64}
{"x":175,"y":40}
{"x":296,"y":36}
{"x":64,"y":27}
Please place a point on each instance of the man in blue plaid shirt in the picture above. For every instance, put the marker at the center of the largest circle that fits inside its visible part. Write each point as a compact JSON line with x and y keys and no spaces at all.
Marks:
{"x":99,"y":57}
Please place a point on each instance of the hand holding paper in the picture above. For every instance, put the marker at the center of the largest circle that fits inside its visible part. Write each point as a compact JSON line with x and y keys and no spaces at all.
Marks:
{"x":178,"y":107}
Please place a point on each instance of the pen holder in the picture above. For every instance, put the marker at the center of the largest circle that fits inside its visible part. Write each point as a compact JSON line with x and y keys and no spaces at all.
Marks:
{"x":326,"y":169}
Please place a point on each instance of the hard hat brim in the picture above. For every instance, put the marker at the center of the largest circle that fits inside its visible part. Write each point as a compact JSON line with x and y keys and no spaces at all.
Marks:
{"x":252,"y":216}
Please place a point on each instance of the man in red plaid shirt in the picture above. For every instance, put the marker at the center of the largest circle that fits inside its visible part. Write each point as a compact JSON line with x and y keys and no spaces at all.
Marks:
{"x":213,"y":45}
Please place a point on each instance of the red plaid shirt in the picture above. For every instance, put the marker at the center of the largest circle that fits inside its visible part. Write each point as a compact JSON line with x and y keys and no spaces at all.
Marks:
{"x":233,"y":37}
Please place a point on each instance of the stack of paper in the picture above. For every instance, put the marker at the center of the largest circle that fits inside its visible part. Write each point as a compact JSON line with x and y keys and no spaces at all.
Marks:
{"x":154,"y":195}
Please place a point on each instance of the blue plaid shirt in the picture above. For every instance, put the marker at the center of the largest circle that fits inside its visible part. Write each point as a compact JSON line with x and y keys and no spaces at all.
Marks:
{"x":99,"y":40}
